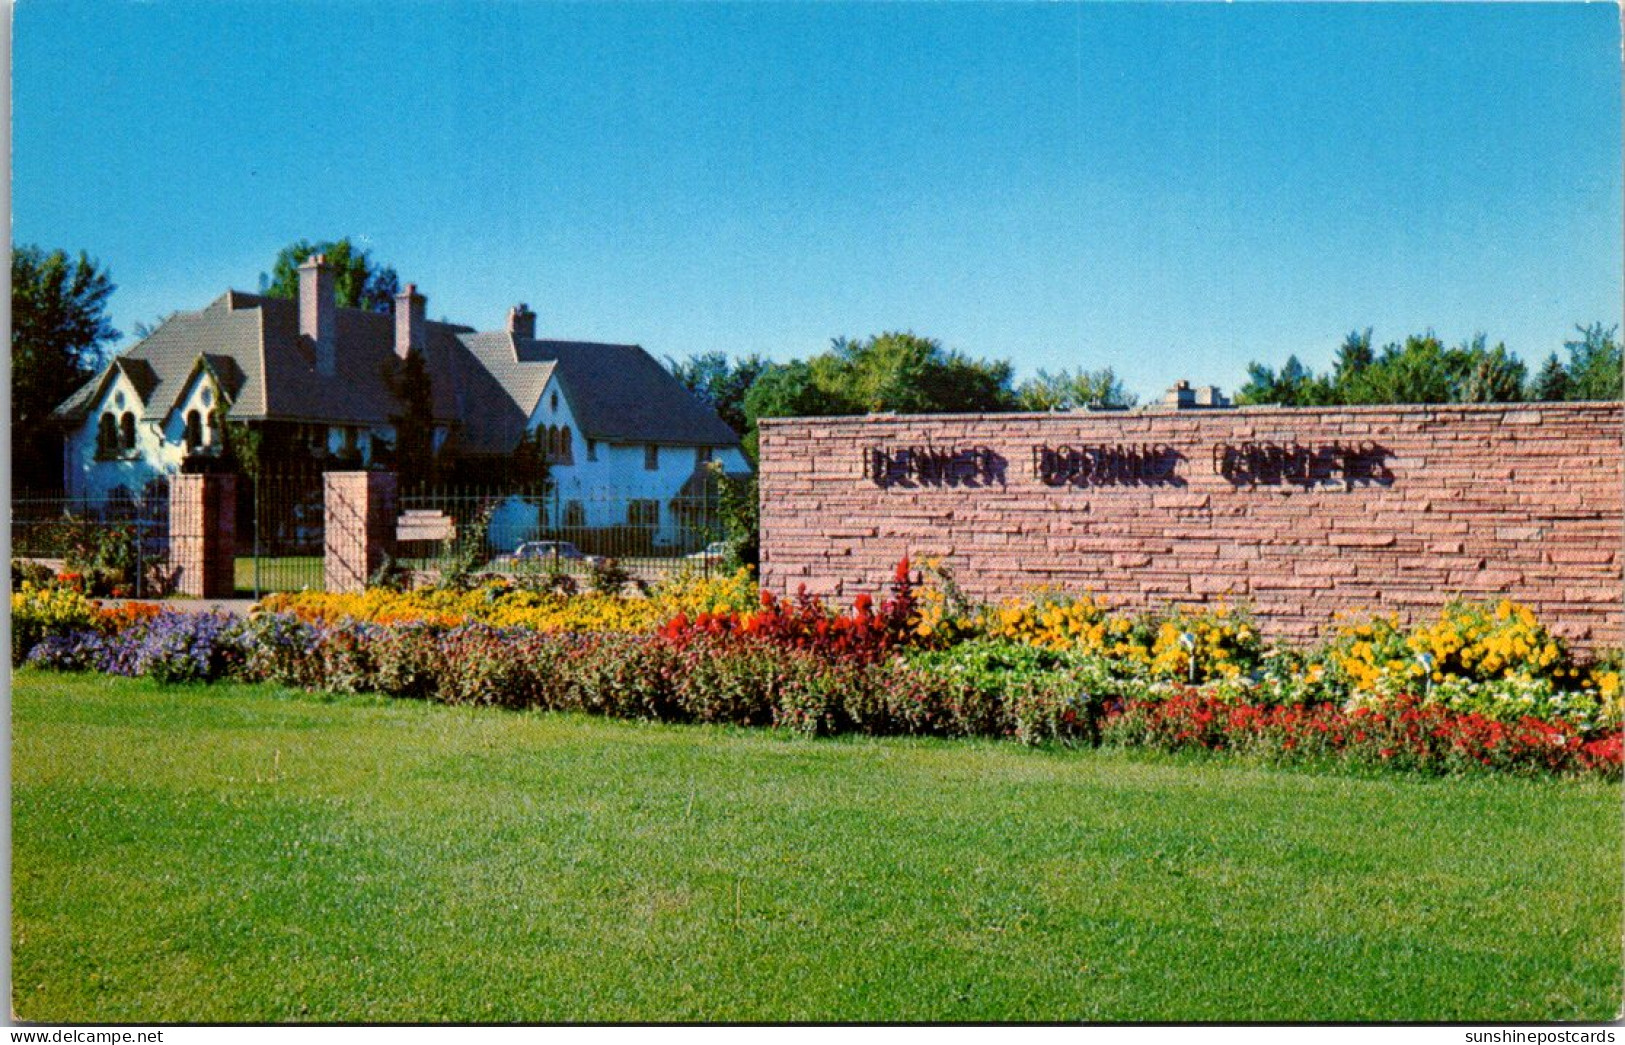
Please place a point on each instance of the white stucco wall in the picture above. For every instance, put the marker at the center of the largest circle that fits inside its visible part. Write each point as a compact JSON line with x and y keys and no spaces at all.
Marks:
{"x":153,"y":456}
{"x":604,"y":477}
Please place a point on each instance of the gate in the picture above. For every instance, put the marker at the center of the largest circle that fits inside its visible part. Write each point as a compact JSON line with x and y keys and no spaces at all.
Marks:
{"x":279,"y":534}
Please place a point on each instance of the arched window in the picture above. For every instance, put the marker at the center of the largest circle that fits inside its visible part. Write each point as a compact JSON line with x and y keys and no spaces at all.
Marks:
{"x":552,"y":441}
{"x":106,"y":436}
{"x":214,"y":427}
{"x":564,"y":443}
{"x":126,"y":431}
{"x":194,"y":430}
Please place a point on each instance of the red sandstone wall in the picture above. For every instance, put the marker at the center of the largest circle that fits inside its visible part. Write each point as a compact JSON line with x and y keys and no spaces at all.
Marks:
{"x":1524,"y":501}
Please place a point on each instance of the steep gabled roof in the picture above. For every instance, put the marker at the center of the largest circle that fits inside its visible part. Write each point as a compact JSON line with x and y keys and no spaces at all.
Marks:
{"x":620,"y":394}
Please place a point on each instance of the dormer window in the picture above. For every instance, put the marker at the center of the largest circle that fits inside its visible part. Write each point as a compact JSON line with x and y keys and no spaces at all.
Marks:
{"x":194,"y":430}
{"x":208,"y":396}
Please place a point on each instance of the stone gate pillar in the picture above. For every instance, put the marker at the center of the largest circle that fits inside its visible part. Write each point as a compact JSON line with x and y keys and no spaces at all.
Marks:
{"x":358,"y":526}
{"x":203,"y":535}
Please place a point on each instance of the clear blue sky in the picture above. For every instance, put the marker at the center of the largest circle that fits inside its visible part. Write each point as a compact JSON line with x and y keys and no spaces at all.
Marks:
{"x":1168,"y":190}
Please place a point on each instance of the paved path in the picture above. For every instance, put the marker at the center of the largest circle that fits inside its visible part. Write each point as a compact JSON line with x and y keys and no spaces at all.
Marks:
{"x":235,"y":607}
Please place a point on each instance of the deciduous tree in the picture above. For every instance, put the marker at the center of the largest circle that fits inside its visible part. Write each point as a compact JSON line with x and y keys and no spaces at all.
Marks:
{"x":358,"y":281}
{"x":59,"y":332}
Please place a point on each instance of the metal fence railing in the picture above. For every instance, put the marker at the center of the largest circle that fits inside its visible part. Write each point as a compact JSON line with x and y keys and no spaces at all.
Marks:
{"x":279,"y":533}
{"x":542,"y":531}
{"x":113,"y":544}
{"x":119,"y":542}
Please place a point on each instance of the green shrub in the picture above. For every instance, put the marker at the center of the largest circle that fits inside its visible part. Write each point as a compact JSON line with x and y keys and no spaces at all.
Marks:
{"x":608,"y":576}
{"x":407,"y":659}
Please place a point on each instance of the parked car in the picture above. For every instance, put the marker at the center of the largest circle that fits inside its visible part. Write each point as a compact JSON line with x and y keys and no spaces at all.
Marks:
{"x":716,"y":551}
{"x":541,"y":551}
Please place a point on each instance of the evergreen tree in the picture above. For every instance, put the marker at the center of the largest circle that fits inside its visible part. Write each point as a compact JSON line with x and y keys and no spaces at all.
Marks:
{"x":1595,"y":363}
{"x":413,"y":454}
{"x":1552,"y":383}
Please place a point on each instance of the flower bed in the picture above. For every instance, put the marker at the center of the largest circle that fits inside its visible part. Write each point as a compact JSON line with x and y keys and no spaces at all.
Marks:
{"x":1482,"y":689}
{"x":506,"y":603}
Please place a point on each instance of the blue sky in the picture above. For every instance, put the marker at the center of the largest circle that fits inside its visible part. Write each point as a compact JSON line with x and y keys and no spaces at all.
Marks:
{"x":1170,"y":190}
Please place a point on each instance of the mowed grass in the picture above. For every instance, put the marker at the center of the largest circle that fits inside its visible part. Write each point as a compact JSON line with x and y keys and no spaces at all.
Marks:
{"x":245,"y":853}
{"x":283,"y":573}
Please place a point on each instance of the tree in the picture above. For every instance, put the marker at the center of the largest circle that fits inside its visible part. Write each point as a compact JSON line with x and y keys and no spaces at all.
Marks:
{"x":720,"y":383}
{"x":1066,"y":390}
{"x":791,"y":390}
{"x":358,"y":282}
{"x":1419,"y":370}
{"x":907,"y":374}
{"x":1353,"y":357}
{"x":1594,"y":363}
{"x":1552,"y":383}
{"x":59,"y":330}
{"x":892,"y":372}
{"x":1295,"y":385}
{"x":413,"y":451}
{"x":1493,"y":376}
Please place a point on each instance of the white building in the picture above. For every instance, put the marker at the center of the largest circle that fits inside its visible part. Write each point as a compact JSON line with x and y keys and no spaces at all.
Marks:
{"x":626,"y":443}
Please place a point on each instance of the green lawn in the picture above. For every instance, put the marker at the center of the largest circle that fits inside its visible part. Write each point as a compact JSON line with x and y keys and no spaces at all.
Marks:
{"x":243,"y":853}
{"x":283,"y":573}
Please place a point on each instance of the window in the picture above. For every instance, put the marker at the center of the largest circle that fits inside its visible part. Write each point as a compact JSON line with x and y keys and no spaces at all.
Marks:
{"x":565,"y":451}
{"x":213,"y":434}
{"x":643,"y":513}
{"x":592,"y":449}
{"x":194,"y":430}
{"x":702,"y":455}
{"x":126,"y":431}
{"x":106,"y":436}
{"x":575,"y":514}
{"x":651,"y":457}
{"x":555,"y":402}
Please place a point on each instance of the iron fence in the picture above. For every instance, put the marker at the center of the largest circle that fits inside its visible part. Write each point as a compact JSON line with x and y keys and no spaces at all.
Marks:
{"x":122,"y":542}
{"x":279,"y":533}
{"x":116,"y":544}
{"x":523,"y":532}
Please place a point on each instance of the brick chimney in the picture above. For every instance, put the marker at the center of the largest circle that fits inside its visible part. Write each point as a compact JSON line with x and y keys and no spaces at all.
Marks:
{"x":409,"y":323}
{"x":318,"y":319}
{"x":522,"y":321}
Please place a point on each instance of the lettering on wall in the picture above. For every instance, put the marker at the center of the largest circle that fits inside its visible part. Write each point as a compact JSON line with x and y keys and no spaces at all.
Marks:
{"x":1102,"y":465}
{"x":1249,"y":464}
{"x":971,"y":467}
{"x":1277,"y":464}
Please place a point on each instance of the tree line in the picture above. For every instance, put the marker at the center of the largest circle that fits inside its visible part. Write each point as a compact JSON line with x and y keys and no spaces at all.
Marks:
{"x":908,"y":374}
{"x":61,"y":335}
{"x":1421,"y":369}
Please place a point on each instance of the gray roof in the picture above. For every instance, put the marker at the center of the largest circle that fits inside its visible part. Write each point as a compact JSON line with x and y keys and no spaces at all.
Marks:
{"x":485,"y":385}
